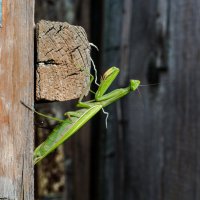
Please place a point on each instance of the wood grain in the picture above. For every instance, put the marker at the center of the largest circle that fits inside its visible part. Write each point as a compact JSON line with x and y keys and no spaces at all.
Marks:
{"x":181,"y":132}
{"x":63,"y":59}
{"x":16,"y":74}
{"x":161,"y":134}
{"x":109,"y":172}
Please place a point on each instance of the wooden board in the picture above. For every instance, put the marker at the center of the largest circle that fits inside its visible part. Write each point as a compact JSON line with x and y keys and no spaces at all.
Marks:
{"x":63,"y":61}
{"x":161,"y":141}
{"x":160,"y":130}
{"x":17,"y":80}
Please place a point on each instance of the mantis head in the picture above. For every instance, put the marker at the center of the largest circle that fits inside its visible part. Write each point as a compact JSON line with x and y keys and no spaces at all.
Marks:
{"x":134,"y":84}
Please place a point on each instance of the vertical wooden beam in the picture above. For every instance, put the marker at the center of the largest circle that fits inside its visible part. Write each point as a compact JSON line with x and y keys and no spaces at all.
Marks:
{"x":181,"y":170}
{"x":143,"y":138}
{"x":109,"y":173}
{"x":16,"y":122}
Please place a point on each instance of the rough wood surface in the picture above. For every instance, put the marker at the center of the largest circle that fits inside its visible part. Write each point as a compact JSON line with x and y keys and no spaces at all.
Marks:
{"x":181,"y":132}
{"x":63,"y":61}
{"x":16,"y":121}
{"x":161,"y":134}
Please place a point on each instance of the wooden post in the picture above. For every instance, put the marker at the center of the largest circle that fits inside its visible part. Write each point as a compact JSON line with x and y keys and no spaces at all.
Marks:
{"x":16,"y":121}
{"x":63,"y":61}
{"x":160,"y":138}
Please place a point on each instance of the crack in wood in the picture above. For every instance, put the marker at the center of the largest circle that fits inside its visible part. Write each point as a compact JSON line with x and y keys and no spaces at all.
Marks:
{"x":48,"y":62}
{"x":49,"y":30}
{"x":60,"y":29}
{"x":49,"y":52}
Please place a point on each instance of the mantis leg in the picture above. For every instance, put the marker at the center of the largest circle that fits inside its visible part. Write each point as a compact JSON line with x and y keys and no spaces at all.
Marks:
{"x":47,"y":116}
{"x":86,"y":104}
{"x":108,"y":77}
{"x":73,"y":114}
{"x":41,"y":114}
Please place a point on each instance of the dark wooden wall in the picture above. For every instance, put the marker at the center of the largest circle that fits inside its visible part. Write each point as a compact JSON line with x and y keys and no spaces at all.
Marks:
{"x":150,"y":150}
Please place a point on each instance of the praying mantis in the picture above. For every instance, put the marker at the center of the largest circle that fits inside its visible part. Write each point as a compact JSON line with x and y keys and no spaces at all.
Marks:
{"x":76,"y":119}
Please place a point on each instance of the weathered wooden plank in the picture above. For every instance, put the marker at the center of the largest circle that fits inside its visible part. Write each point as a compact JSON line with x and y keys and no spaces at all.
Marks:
{"x":181,"y":131}
{"x":77,"y":149}
{"x":161,"y":138}
{"x":143,"y":148}
{"x":141,"y":152}
{"x":16,"y":121}
{"x":63,"y":59}
{"x":109,"y":174}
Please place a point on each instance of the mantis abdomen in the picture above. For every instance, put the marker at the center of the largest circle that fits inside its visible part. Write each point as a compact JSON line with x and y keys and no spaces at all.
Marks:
{"x":64,"y":130}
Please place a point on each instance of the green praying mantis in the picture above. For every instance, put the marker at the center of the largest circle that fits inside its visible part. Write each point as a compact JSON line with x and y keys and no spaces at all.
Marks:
{"x":76,"y":119}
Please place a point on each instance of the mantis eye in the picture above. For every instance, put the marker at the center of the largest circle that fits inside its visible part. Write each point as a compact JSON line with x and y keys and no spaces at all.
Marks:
{"x":134,"y":84}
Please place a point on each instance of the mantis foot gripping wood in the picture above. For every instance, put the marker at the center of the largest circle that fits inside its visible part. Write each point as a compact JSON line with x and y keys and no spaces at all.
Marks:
{"x":63,"y":61}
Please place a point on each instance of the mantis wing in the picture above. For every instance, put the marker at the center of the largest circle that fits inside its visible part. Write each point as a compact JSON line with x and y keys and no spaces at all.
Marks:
{"x":64,"y":130}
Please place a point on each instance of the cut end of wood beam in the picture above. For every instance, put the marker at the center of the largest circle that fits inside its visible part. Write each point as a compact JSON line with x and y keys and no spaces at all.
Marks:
{"x":63,"y":61}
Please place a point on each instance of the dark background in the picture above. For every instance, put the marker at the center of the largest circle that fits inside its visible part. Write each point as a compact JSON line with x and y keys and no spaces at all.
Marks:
{"x":150,"y":150}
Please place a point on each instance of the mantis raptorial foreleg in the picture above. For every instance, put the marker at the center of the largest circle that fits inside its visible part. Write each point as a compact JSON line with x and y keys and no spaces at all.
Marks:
{"x":107,"y":79}
{"x":88,"y":109}
{"x":73,"y":114}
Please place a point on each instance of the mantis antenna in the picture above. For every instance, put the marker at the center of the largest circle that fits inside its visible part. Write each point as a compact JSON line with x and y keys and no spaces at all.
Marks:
{"x":140,"y":95}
